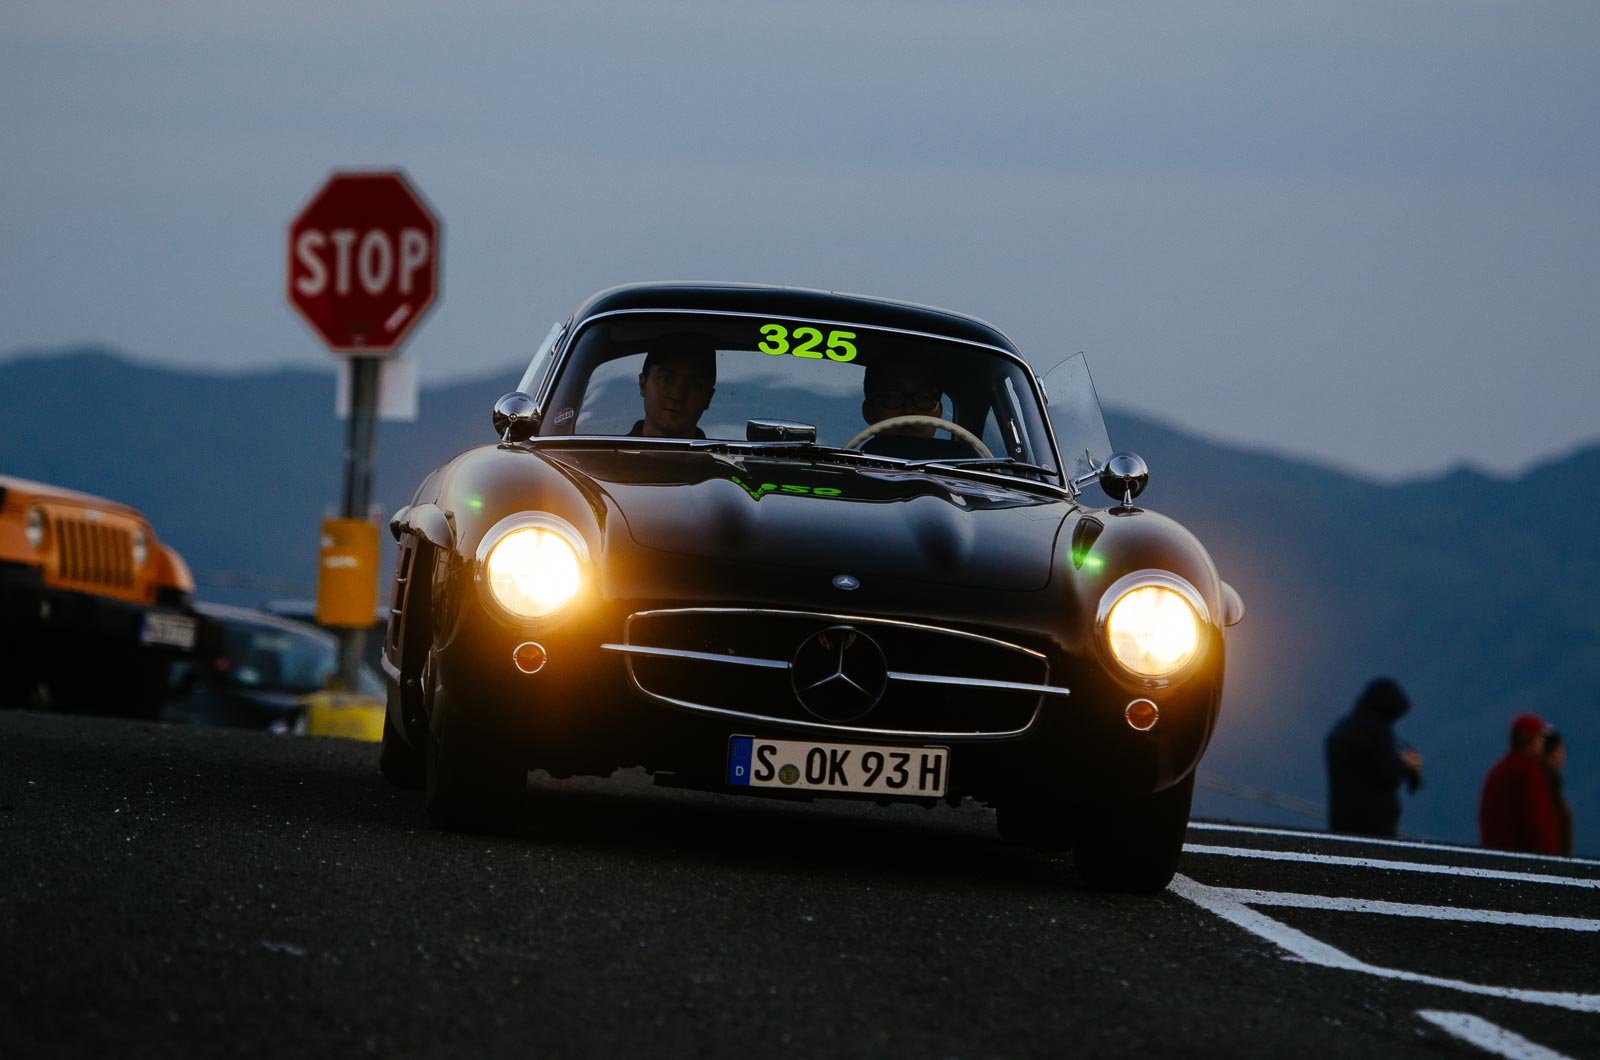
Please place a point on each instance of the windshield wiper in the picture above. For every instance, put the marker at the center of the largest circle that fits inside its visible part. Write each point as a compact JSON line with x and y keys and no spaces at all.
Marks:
{"x":792,"y":449}
{"x":987,"y":463}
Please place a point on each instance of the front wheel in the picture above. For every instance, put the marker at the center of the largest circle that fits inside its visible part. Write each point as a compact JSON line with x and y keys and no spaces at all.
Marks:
{"x":472,"y":783}
{"x":402,"y":765}
{"x":1133,"y":845}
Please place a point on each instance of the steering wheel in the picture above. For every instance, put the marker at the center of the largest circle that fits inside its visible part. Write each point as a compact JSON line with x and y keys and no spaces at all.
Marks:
{"x":955,"y":429}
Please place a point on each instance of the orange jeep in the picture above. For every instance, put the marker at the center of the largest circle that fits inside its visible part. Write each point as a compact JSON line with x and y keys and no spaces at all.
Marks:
{"x":94,"y":611}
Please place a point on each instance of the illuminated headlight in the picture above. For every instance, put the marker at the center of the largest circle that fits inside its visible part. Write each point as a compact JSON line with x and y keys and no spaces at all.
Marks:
{"x":141,"y":547}
{"x":532,"y":571}
{"x":1151,"y":623}
{"x":33,"y":528}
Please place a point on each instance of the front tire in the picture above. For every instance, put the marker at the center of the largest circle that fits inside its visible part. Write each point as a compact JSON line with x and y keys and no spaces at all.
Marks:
{"x":402,"y":765}
{"x":1133,"y":845}
{"x":472,"y":784}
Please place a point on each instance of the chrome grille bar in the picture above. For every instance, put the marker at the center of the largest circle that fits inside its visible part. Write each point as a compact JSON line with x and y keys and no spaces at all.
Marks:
{"x":779,"y":664}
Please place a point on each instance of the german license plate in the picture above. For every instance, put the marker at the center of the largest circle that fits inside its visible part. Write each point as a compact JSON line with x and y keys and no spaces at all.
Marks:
{"x":804,"y":765}
{"x":166,"y":630}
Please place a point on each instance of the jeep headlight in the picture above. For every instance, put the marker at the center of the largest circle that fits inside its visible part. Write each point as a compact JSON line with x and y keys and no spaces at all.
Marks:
{"x":1151,"y":622}
{"x":141,"y":547}
{"x":532,"y":571}
{"x":33,"y":527}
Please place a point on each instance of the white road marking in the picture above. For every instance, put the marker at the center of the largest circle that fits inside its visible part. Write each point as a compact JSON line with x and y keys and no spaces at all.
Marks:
{"x":1335,"y":837}
{"x":1394,"y":866}
{"x":1489,"y":1037}
{"x":1301,"y":946}
{"x":1283,"y":900}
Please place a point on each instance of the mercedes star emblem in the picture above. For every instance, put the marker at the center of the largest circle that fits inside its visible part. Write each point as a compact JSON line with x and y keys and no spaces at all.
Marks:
{"x":839,"y":673}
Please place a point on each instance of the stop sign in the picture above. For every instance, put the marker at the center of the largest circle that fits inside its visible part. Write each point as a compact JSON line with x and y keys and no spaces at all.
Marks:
{"x":364,"y":261}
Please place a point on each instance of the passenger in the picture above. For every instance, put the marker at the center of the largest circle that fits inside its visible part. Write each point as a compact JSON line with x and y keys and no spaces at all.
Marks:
{"x":676,"y":384}
{"x":1555,"y":758}
{"x":902,"y":387}
{"x":1366,"y":766}
{"x":1515,"y":811}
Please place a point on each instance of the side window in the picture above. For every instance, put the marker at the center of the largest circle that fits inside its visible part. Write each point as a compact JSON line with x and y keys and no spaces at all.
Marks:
{"x":1003,"y":430}
{"x":992,"y":436}
{"x":611,"y":402}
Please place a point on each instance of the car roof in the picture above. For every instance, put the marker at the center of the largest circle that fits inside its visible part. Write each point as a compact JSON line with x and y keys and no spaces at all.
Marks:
{"x":795,"y":302}
{"x":252,"y":617}
{"x":44,"y":491}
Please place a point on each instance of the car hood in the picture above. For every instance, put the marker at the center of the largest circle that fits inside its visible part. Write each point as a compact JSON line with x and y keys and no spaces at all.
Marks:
{"x":896,"y":523}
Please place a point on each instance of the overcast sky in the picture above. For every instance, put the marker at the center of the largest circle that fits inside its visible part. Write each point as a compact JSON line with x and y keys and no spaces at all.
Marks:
{"x":1367,"y":233}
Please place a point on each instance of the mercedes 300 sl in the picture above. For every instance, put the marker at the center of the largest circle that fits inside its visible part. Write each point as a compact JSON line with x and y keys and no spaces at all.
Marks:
{"x":771,"y":541}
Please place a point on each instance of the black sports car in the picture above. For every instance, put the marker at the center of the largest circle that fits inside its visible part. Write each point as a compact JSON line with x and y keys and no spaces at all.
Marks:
{"x":763,"y":540}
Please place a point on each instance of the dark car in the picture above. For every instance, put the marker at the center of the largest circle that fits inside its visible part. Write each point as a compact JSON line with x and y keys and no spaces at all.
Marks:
{"x":770,"y":541}
{"x":257,"y":671}
{"x":304,"y":610}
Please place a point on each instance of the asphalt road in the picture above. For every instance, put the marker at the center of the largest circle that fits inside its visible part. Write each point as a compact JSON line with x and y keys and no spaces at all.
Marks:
{"x":171,"y":891}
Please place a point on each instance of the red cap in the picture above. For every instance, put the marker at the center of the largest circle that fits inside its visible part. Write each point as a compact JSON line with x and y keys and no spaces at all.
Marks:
{"x":1528,"y":725}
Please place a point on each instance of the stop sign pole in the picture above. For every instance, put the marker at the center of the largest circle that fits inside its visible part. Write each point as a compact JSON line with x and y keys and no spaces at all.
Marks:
{"x":363,"y":270}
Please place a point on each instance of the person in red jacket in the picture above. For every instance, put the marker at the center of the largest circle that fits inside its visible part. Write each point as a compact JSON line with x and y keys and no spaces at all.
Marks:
{"x":1516,"y":811}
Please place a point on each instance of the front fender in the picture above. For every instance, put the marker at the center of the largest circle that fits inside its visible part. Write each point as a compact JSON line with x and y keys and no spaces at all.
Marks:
{"x":1098,"y":548}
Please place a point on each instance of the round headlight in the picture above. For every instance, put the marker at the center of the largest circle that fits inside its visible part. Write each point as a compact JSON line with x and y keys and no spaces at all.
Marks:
{"x":141,"y":547}
{"x":33,"y":528}
{"x":1153,"y":631}
{"x":532,"y":572}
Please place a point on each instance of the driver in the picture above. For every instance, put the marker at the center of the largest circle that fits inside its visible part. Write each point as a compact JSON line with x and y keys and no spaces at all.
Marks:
{"x":902,"y":386}
{"x":676,"y":384}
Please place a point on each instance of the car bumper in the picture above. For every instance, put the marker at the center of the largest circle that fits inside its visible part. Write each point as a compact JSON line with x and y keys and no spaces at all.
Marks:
{"x":58,"y":634}
{"x":587,"y":710}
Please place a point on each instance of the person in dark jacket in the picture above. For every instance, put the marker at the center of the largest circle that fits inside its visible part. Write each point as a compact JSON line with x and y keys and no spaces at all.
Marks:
{"x":1516,"y":810}
{"x":1366,"y":765}
{"x":1555,"y":757}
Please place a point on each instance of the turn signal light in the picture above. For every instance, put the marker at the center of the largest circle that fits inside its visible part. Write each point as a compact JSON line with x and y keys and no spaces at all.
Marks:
{"x":1142,"y":714}
{"x":529,"y":657}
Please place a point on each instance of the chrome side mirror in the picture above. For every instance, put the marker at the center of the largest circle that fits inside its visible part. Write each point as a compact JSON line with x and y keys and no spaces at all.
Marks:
{"x":1124,"y":477}
{"x":516,"y":417}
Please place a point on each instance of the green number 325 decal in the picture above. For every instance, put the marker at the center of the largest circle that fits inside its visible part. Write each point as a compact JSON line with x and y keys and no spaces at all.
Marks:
{"x":803,"y":342}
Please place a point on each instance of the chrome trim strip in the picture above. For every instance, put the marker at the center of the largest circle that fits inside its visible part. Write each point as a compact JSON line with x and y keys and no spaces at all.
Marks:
{"x":698,"y":656}
{"x":779,"y":664}
{"x":981,"y":682}
{"x":827,"y":616}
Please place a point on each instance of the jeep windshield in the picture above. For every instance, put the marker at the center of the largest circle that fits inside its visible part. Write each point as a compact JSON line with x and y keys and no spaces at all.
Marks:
{"x":718,"y":377}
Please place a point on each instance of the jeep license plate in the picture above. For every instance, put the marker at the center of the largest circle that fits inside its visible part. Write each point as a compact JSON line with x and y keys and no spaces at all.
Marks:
{"x":801,"y":764}
{"x":167,"y":630}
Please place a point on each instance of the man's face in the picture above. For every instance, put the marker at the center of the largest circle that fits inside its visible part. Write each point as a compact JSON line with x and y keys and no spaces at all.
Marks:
{"x":904,"y":388}
{"x":676,"y":390}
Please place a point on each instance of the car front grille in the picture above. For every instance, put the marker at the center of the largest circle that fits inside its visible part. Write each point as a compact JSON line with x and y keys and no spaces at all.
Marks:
{"x":748,"y":663}
{"x":94,"y":554}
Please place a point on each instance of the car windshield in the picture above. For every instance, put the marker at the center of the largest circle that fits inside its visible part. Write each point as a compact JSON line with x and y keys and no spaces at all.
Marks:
{"x":709,"y":375}
{"x":281,"y":660}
